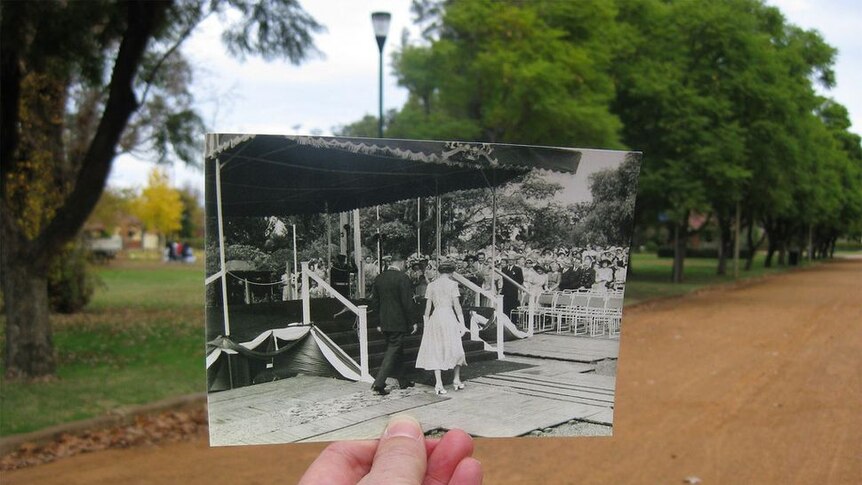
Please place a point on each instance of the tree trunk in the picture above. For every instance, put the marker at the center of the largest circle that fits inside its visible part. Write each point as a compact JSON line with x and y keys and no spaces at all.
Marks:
{"x":680,"y":234}
{"x":725,"y":244}
{"x":23,"y":260}
{"x":770,"y":252}
{"x":749,"y":261}
{"x":29,"y":341}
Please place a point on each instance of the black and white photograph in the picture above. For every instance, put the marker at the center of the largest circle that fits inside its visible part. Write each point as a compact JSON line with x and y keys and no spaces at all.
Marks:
{"x":476,"y":286}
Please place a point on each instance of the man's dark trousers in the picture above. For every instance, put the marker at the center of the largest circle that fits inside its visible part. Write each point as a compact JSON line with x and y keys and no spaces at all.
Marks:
{"x":393,"y":360}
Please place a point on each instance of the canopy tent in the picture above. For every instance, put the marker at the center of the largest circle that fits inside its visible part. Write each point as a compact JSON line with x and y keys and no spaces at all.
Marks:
{"x":276,"y":175}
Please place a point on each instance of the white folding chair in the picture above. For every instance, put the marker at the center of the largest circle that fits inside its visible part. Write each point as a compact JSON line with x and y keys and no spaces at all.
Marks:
{"x":598,"y":317}
{"x":571,"y":312}
{"x":558,"y":315}
{"x":614,"y":311}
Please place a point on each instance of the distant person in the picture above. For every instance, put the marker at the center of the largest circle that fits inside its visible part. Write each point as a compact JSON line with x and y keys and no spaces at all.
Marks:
{"x":569,"y":277}
{"x":171,"y":250}
{"x":369,"y":271}
{"x":619,"y":275}
{"x":339,"y":275}
{"x":587,"y":275}
{"x":431,"y":271}
{"x":536,"y":281}
{"x":441,"y":347}
{"x":510,"y":290}
{"x":417,"y":278}
{"x":529,"y":273}
{"x":604,"y":275}
{"x":554,"y":274}
{"x":187,"y":254}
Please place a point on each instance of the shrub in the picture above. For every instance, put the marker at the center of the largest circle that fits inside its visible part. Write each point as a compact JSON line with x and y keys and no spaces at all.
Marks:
{"x":71,"y":284}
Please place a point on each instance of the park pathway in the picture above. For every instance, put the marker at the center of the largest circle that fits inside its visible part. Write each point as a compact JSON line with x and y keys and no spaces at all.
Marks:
{"x":756,"y":384}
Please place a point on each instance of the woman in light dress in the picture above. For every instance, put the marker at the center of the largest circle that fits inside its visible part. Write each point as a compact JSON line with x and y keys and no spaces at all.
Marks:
{"x":536,"y":281}
{"x":604,"y":276}
{"x":554,"y":273}
{"x":441,"y":348}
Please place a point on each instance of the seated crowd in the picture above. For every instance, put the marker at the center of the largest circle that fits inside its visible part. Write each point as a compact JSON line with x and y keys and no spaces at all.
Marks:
{"x":591,"y":268}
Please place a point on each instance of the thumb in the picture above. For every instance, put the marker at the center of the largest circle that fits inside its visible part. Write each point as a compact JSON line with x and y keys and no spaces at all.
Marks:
{"x":401,"y":458}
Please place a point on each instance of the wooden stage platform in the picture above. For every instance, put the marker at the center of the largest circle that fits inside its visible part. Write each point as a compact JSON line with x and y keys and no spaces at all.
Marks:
{"x":550,"y":392}
{"x":565,"y":347}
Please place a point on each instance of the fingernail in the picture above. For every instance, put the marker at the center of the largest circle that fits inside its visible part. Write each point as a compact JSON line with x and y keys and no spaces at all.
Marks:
{"x":403,"y":426}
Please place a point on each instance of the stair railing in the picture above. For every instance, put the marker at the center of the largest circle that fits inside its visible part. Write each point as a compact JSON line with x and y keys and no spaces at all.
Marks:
{"x":531,"y":301}
{"x":497,"y":302}
{"x":361,"y":312}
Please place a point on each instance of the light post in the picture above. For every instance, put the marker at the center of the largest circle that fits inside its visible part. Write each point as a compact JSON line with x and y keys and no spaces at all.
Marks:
{"x":380,"y":21}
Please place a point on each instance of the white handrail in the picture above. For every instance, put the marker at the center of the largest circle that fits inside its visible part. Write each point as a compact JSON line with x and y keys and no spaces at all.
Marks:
{"x":361,"y":312}
{"x":474,"y":329}
{"x":473,"y":286}
{"x":498,"y":308}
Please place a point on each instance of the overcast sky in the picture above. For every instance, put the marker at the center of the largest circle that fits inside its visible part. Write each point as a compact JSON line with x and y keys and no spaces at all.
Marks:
{"x":259,"y":97}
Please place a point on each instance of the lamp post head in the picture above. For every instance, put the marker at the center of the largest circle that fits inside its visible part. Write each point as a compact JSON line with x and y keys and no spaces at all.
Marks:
{"x":380,"y":21}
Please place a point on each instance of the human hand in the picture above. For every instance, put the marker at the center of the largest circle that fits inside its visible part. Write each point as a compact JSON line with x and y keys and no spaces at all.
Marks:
{"x":402,"y":456}
{"x":415,"y":328}
{"x":379,"y":329}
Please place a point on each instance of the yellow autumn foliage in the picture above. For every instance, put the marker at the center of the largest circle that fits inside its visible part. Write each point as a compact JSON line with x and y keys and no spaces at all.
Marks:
{"x":34,"y":189}
{"x":159,"y":206}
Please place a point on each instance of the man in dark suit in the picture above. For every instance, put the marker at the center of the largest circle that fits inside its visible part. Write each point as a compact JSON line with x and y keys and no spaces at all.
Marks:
{"x":510,"y":291}
{"x":586,"y":276}
{"x":392,"y":304}
{"x":570,"y":277}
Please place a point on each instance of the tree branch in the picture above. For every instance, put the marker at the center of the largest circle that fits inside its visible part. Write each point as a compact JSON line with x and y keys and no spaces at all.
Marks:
{"x":148,"y":79}
{"x":143,"y":18}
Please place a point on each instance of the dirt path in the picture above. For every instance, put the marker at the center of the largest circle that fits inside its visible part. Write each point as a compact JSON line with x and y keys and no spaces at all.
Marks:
{"x":761,"y":384}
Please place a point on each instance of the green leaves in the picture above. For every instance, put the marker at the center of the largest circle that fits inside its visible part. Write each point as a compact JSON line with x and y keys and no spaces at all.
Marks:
{"x":513,"y":72}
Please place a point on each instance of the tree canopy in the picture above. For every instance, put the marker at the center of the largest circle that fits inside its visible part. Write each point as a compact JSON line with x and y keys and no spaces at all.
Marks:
{"x":70,"y":101}
{"x":722,"y":98}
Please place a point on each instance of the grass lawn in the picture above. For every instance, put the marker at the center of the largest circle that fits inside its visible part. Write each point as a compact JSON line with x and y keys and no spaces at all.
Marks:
{"x":141,"y":339}
{"x":650,"y":276}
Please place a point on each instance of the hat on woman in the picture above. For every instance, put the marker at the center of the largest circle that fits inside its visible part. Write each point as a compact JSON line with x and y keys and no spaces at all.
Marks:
{"x":446,"y":267}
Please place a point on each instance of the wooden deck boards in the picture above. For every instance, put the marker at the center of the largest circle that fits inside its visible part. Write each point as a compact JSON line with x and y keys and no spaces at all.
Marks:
{"x":560,"y":387}
{"x":564,"y":347}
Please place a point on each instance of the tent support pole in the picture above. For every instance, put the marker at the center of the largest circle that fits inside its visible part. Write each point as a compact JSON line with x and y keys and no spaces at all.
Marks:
{"x":379,"y":256}
{"x":306,"y":298}
{"x":357,"y":255}
{"x":328,"y":238}
{"x":418,"y":226}
{"x":343,"y":221}
{"x":222,"y":264}
{"x":499,"y":304}
{"x":437,"y":217}
{"x":294,"y":246}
